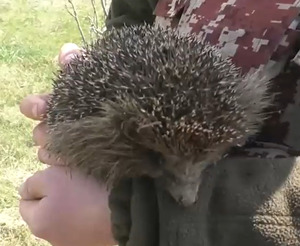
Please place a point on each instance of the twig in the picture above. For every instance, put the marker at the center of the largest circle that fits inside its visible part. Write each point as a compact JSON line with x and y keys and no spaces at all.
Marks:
{"x":75,"y":16}
{"x":93,"y":29}
{"x":95,"y":23}
{"x":103,"y":7}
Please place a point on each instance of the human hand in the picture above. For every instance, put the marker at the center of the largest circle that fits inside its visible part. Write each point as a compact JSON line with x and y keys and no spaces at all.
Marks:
{"x":62,"y":210}
{"x":66,"y":208}
{"x":34,"y":106}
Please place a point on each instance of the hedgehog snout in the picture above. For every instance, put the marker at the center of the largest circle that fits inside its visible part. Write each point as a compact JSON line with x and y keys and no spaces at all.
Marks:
{"x":182,"y":178}
{"x":185,"y":194}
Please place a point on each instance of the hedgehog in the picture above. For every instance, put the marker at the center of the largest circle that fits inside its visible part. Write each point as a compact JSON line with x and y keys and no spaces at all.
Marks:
{"x":146,"y":101}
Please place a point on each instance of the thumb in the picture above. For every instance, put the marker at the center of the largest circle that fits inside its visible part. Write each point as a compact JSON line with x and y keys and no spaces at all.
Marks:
{"x":27,"y":209}
{"x":33,"y":188}
{"x":68,"y":52}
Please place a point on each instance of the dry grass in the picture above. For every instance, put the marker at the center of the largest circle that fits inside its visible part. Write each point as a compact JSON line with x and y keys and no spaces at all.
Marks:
{"x":31,"y":34}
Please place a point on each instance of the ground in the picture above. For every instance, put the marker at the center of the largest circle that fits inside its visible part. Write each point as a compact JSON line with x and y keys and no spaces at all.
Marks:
{"x":31,"y":34}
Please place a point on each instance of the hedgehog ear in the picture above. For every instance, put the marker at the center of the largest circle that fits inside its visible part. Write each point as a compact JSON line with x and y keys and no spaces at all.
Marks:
{"x":133,"y":124}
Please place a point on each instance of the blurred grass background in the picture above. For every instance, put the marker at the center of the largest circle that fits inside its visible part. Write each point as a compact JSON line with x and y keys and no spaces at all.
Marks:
{"x":31,"y":34}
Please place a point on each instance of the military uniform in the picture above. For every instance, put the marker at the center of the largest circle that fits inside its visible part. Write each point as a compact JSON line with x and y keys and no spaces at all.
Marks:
{"x":253,"y":196}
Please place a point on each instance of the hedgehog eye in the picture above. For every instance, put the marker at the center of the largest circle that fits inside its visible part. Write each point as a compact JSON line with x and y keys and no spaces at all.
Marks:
{"x":156,"y":158}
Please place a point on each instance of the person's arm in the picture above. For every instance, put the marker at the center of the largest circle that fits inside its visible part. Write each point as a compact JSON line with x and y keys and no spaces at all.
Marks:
{"x":130,"y":12}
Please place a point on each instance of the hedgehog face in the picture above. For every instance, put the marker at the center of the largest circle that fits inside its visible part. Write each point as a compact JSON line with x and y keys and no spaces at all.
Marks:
{"x":182,"y":176}
{"x":180,"y":172}
{"x":177,"y":162}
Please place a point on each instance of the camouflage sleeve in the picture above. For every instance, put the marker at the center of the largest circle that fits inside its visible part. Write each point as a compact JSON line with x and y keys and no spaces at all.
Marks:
{"x":130,"y":12}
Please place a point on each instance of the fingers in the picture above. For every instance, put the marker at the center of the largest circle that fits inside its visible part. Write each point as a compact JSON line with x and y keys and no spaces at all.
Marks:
{"x":40,"y":134}
{"x":68,"y":52}
{"x":33,"y":213}
{"x":42,"y":183}
{"x":33,"y":193}
{"x":34,"y":187}
{"x":27,"y":208}
{"x":40,"y":139}
{"x":34,"y":106}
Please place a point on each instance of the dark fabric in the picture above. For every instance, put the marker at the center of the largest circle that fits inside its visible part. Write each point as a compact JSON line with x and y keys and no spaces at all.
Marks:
{"x":119,"y":203}
{"x":243,"y":201}
{"x":130,"y":12}
{"x":135,"y":213}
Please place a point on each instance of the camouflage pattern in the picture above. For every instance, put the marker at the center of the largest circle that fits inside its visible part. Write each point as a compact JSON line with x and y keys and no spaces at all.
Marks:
{"x":240,"y":28}
{"x":255,"y":34}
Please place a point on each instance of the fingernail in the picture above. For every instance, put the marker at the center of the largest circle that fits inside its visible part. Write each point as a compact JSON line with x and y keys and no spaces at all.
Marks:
{"x":35,"y":110}
{"x":39,"y":109}
{"x":21,"y":189}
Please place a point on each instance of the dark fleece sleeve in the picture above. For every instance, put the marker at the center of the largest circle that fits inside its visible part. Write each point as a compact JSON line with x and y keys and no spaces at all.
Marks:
{"x":130,"y":12}
{"x":242,"y":201}
{"x":133,"y":203}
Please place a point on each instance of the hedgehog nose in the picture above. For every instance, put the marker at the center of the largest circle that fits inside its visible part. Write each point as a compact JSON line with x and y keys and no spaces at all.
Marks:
{"x":187,"y":201}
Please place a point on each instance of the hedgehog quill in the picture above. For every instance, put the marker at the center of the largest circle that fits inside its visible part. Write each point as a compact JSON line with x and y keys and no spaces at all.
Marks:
{"x":142,"y":101}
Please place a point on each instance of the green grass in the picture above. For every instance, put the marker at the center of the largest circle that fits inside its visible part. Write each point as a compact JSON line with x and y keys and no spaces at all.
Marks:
{"x":31,"y":34}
